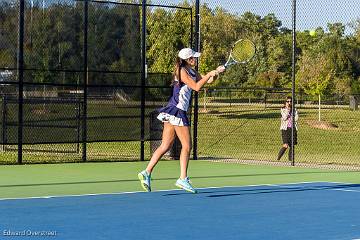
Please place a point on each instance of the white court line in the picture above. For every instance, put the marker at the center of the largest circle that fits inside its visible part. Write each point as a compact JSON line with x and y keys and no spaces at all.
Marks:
{"x":343,"y":183}
{"x":345,"y":190}
{"x":168,"y":190}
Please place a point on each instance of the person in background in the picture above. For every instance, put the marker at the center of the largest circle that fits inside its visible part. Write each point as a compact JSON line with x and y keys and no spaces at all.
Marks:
{"x":286,"y":128}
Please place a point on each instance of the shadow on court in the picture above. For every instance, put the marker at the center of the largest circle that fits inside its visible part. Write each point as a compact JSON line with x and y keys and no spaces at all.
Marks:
{"x":221,"y":192}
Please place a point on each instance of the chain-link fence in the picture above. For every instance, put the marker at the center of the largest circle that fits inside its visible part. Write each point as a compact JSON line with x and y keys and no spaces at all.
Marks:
{"x":87,"y":88}
{"x":244,"y":124}
{"x":75,"y":69}
{"x":242,"y":120}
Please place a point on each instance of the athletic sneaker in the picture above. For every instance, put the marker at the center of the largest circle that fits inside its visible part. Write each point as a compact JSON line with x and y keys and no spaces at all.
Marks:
{"x":185,"y":184}
{"x":145,"y":180}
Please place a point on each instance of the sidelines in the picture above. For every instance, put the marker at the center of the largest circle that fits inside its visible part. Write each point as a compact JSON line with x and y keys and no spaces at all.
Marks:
{"x":168,"y":190}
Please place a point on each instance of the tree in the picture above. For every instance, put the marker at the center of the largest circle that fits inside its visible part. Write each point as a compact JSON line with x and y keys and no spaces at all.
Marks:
{"x":168,"y":31}
{"x":218,"y":33}
{"x":270,"y":79}
{"x":8,"y":34}
{"x":279,"y":60}
{"x":314,"y":76}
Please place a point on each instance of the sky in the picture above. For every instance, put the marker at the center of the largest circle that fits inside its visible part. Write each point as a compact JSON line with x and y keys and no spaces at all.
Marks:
{"x":310,"y":13}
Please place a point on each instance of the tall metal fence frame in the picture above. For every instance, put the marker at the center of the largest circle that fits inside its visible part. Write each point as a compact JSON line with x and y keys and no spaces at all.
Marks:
{"x":142,"y":86}
{"x":85,"y":72}
{"x":196,"y":97}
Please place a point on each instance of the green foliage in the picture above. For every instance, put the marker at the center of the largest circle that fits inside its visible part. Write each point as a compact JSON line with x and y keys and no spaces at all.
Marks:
{"x":338,"y":52}
{"x":54,"y":40}
{"x":8,"y":35}
{"x":165,"y":38}
{"x":314,"y":74}
{"x":218,"y":33}
{"x":269,"y":79}
{"x":6,"y":58}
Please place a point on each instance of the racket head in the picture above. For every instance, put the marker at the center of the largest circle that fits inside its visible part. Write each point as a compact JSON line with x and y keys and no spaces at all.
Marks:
{"x":243,"y":51}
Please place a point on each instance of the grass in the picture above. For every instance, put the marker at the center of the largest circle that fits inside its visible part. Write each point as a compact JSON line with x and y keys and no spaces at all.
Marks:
{"x":96,"y":152}
{"x":241,"y":131}
{"x":252,"y":132}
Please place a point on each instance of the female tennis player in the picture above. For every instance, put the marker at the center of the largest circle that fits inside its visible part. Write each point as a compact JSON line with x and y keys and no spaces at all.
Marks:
{"x":286,"y":126}
{"x":175,"y":118}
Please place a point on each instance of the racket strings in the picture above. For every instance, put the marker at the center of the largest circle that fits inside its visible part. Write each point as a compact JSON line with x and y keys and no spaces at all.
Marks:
{"x":243,"y":51}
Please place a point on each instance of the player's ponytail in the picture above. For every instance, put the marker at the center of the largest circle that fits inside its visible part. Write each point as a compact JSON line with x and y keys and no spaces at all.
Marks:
{"x":179,"y":63}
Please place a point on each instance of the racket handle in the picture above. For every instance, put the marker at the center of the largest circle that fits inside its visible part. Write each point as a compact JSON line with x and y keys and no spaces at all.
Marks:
{"x":229,"y":64}
{"x":220,"y":69}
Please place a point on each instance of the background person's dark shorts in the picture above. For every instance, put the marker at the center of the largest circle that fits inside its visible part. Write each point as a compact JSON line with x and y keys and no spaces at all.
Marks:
{"x":286,"y":136}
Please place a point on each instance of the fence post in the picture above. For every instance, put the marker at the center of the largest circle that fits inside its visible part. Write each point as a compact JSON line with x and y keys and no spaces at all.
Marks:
{"x":293,"y":81}
{"x":230,"y":97}
{"x":143,"y":81}
{"x":3,"y":135}
{"x":78,"y":123}
{"x":265,"y":98}
{"x":353,"y":102}
{"x":196,"y":95}
{"x":85,"y":75}
{"x":20,"y":67}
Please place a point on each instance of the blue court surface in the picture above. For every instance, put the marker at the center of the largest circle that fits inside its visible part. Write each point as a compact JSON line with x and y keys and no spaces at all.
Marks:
{"x":319,"y":210}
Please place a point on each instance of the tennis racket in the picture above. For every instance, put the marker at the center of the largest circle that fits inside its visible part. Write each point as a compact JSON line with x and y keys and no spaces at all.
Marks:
{"x":242,"y":51}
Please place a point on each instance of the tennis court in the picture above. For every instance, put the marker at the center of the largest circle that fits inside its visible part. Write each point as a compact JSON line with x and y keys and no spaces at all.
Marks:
{"x":104,"y":201}
{"x":81,"y":83}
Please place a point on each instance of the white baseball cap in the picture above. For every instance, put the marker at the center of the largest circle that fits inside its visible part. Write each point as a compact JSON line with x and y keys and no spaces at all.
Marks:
{"x":187,"y":53}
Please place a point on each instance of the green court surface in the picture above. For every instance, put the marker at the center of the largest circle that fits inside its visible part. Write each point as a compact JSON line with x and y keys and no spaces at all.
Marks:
{"x":23,"y":181}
